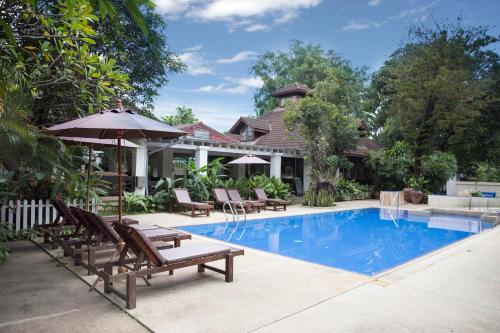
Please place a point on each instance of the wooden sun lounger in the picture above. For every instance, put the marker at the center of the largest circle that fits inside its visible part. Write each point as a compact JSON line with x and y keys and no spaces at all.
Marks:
{"x":275,"y":203}
{"x":66,"y":220}
{"x":150,"y":260}
{"x":234,"y":195}
{"x":184,"y":200}
{"x":221,"y":197}
{"x":101,"y":236}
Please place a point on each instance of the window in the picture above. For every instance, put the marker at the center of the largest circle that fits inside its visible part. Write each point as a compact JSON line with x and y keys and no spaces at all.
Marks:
{"x":247,"y":134}
{"x":201,"y":134}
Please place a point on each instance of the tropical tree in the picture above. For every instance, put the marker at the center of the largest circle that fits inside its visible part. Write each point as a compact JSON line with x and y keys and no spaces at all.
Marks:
{"x":326,"y":118}
{"x":306,"y":64}
{"x":432,"y":91}
{"x":145,"y":57}
{"x":48,"y":74}
{"x":183,"y":115}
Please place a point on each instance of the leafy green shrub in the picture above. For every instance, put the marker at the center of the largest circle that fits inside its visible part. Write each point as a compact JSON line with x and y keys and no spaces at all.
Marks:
{"x":200,"y":182}
{"x":5,"y":234}
{"x":416,"y":183}
{"x":437,"y":168}
{"x":75,"y":186}
{"x":487,"y":172}
{"x":322,"y":198}
{"x":346,"y":189}
{"x":273,"y":186}
{"x":135,"y":203}
{"x":391,"y":166}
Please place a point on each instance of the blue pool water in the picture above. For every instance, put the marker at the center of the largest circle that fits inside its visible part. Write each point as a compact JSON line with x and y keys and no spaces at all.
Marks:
{"x":367,"y":241}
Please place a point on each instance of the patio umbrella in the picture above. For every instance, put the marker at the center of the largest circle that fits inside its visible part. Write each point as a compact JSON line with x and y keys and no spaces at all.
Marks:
{"x":117,"y":123}
{"x":90,"y":143}
{"x":249,"y":159}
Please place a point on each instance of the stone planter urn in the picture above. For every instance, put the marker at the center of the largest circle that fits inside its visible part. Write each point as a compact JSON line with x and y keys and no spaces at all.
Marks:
{"x":407,"y":193}
{"x":416,"y":196}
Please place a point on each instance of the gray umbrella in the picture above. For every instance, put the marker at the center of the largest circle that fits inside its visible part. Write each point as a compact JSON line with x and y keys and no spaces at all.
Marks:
{"x":117,"y":123}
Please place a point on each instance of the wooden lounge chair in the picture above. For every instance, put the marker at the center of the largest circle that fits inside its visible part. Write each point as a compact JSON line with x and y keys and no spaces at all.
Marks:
{"x":221,"y":197}
{"x":184,"y":200}
{"x":101,"y":236}
{"x":66,"y":219}
{"x":275,"y":203}
{"x":150,"y":260}
{"x":234,"y":195}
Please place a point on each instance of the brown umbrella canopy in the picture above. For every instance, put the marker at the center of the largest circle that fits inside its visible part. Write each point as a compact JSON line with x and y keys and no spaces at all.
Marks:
{"x":114,"y":123}
{"x":98,"y":142}
{"x":117,"y":123}
{"x":249,"y":159}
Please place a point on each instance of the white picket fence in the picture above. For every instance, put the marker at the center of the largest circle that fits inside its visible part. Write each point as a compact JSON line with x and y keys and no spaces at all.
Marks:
{"x":24,"y":214}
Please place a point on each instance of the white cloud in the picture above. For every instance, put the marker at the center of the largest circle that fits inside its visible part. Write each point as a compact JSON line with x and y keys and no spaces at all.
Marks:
{"x":251,"y":82}
{"x":415,"y":11}
{"x":240,"y":56}
{"x":257,"y":27}
{"x":214,"y":113}
{"x":355,"y":25}
{"x":374,"y":3}
{"x":196,"y":64}
{"x":234,"y":11}
{"x":422,"y":12}
{"x":193,"y":48}
{"x":221,"y":10}
{"x":237,"y":86}
{"x":173,"y":7}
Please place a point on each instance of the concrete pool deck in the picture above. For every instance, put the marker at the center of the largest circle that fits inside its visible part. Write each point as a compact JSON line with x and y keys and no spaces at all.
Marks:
{"x":454,"y":289}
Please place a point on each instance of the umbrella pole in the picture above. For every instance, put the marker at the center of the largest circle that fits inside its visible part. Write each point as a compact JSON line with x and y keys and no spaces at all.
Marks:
{"x":89,"y":172}
{"x":120,"y":189}
{"x":120,"y":245}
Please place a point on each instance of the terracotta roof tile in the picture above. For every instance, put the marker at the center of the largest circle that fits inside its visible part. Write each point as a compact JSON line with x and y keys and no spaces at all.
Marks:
{"x":213,"y":135}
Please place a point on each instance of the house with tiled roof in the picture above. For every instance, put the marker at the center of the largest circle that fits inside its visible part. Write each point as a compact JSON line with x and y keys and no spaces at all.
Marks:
{"x":265,"y":136}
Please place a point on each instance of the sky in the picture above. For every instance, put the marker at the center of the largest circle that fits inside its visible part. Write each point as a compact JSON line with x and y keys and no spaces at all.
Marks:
{"x":219,"y":41}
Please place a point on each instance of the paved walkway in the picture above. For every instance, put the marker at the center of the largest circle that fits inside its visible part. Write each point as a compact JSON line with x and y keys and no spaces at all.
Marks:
{"x":38,"y":295}
{"x":455,"y":289}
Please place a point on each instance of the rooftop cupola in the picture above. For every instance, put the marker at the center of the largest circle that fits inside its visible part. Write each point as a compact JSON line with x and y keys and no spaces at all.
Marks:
{"x":291,"y":91}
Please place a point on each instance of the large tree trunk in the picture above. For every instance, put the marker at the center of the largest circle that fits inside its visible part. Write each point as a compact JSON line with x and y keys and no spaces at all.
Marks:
{"x":422,"y":136}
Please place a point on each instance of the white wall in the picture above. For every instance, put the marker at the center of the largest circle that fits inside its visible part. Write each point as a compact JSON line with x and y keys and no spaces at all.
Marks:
{"x":139,"y":165}
{"x":459,"y":188}
{"x":470,"y":203}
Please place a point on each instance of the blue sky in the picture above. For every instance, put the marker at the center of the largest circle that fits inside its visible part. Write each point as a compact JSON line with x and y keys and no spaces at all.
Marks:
{"x":219,"y":39}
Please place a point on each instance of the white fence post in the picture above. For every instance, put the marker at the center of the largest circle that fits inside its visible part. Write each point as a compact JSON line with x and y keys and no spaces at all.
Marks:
{"x":26,"y":214}
{"x":18,"y":215}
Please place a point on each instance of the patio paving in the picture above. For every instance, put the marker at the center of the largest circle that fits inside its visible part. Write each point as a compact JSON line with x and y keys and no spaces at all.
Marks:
{"x":453,"y":289}
{"x":38,"y":295}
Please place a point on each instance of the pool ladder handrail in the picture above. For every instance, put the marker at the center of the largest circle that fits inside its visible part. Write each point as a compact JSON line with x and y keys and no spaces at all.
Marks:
{"x":236,"y":218}
{"x":397,"y":209}
{"x":234,"y":211}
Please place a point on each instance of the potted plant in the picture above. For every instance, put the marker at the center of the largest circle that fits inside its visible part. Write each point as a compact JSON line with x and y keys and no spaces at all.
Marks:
{"x":417,"y":184}
{"x":408,"y":189}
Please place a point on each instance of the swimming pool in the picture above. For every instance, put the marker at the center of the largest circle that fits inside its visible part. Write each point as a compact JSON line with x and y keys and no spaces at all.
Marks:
{"x":366,"y":241}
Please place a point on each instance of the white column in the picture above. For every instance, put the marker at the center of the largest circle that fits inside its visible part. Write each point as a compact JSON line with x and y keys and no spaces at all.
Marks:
{"x":139,"y":167}
{"x":167,"y":163}
{"x":307,"y":176}
{"x":201,"y":156}
{"x":276,"y":165}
